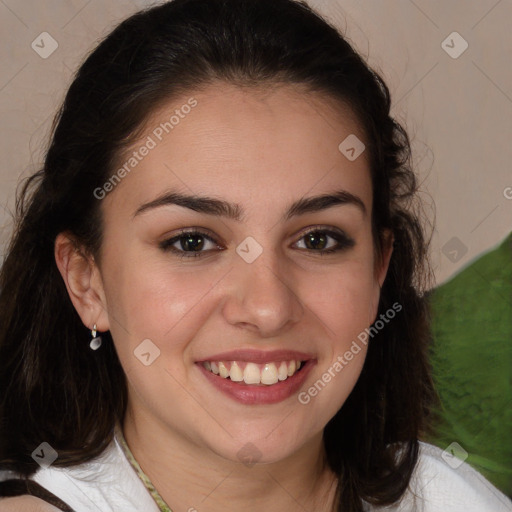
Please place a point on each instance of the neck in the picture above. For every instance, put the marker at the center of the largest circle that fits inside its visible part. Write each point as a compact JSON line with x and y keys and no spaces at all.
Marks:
{"x":191,"y":478}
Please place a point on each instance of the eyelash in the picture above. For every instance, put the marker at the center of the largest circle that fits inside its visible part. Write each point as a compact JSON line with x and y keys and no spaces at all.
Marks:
{"x":344,"y":242}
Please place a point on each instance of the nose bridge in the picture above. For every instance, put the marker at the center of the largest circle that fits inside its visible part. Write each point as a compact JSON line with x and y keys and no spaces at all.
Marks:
{"x":261,"y":294}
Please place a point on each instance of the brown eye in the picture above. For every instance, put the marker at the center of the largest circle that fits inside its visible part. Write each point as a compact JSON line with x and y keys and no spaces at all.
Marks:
{"x":326,"y":241}
{"x":316,"y":240}
{"x":189,"y":244}
{"x":192,"y":242}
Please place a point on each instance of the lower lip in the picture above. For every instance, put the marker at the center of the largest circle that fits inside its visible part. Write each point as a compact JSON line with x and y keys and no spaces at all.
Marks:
{"x":251,"y":394}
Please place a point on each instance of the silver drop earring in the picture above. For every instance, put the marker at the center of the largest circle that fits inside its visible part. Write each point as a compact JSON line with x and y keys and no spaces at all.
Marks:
{"x":96,"y":340}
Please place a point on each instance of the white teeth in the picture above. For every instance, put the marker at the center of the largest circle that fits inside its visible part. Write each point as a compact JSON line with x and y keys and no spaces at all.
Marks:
{"x":236,"y":374}
{"x":282,"y":373}
{"x":269,"y":374}
{"x":223,"y":371}
{"x":251,"y":374}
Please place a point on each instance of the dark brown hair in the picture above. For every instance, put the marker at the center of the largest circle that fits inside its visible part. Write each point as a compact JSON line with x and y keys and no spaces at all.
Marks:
{"x":54,"y":388}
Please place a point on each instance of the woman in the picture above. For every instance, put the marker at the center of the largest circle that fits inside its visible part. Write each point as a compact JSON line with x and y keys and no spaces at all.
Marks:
{"x":214,"y":295}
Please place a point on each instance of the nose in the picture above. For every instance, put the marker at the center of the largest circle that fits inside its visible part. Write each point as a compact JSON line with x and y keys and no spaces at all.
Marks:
{"x":261,"y":297}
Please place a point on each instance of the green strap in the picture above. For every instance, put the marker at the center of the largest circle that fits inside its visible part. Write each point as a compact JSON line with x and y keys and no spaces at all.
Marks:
{"x":143,"y":477}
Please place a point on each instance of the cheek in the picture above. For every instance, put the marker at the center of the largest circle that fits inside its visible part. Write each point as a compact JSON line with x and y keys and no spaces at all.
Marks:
{"x":343,"y":302}
{"x":161,"y":309}
{"x":343,"y":299}
{"x":158,"y":301}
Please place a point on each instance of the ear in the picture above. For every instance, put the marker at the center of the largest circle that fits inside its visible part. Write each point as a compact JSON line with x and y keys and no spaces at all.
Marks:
{"x":381,"y":267}
{"x":382,"y":263}
{"x":83,"y":282}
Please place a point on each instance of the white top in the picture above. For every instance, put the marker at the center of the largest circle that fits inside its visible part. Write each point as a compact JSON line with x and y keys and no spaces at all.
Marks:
{"x":110,"y":484}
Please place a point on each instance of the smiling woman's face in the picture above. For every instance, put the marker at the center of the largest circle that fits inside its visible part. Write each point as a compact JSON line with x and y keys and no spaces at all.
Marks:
{"x":255,"y":283}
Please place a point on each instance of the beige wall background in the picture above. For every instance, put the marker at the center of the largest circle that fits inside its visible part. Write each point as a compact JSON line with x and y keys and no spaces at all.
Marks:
{"x":455,"y":103}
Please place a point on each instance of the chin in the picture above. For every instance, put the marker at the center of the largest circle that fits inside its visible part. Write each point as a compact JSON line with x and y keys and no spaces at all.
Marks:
{"x":262,"y":445}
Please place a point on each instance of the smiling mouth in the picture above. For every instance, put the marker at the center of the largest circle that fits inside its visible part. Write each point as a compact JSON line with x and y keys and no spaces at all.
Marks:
{"x":245,"y":372}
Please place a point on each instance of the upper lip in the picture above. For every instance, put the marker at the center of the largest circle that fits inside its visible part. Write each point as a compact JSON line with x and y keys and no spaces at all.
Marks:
{"x":259,"y":356}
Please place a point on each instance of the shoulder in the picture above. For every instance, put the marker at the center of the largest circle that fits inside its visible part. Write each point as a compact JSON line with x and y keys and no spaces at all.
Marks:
{"x":106,"y":483}
{"x":25,"y":504}
{"x":443,"y":483}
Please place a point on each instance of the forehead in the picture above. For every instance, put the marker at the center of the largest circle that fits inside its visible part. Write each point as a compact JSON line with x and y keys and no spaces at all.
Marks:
{"x":279,"y":142}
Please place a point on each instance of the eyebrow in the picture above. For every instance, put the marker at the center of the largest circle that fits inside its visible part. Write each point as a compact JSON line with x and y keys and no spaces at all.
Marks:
{"x":234,"y":211}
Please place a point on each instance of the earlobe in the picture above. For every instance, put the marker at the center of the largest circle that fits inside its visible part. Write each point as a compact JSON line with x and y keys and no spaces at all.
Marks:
{"x":83,"y":282}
